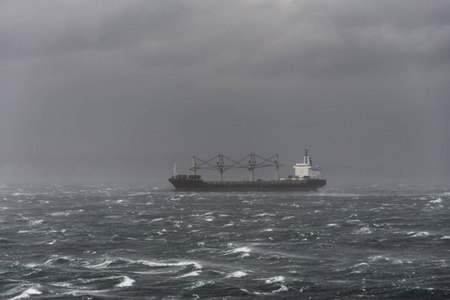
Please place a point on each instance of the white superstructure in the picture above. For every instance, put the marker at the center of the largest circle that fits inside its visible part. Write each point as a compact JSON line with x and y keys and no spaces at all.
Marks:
{"x":306,"y":170}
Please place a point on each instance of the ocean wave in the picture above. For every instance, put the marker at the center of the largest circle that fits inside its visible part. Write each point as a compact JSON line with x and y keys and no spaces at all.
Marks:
{"x":352,"y":222}
{"x":236,"y":274}
{"x":191,"y":274}
{"x":421,"y":234}
{"x":370,"y":243}
{"x":139,"y":194}
{"x":275,"y":279}
{"x":244,"y":250}
{"x":61,"y":213}
{"x":102,"y":265}
{"x":35,"y":222}
{"x":27,"y":294}
{"x":282,"y":288}
{"x":363,"y":230}
{"x":437,"y":201}
{"x":401,"y":262}
{"x":378,"y":258}
{"x":196,"y":265}
{"x":156,"y":220}
{"x":363,"y":264}
{"x":127,"y":281}
{"x":201,"y":283}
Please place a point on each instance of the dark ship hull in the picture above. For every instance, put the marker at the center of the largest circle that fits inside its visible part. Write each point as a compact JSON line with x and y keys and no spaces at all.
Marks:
{"x":188,"y":184}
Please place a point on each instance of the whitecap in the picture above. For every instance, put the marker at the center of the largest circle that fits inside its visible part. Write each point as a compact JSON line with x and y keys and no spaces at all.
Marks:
{"x":196,"y":265}
{"x":332,"y":225}
{"x":378,"y":258}
{"x":282,"y":288}
{"x":421,"y":234}
{"x":156,"y":220}
{"x":139,"y":194}
{"x":363,"y":230}
{"x":101,"y":265}
{"x":56,"y":258}
{"x":194,"y":273}
{"x":445,"y":237}
{"x":355,"y":221}
{"x":244,"y":250}
{"x":236,"y":274}
{"x":361,"y":265}
{"x":401,"y":262}
{"x":127,"y":281}
{"x":31,"y":265}
{"x":274,"y":279}
{"x":61,"y":213}
{"x":438,"y":200}
{"x":27,"y":293}
{"x":263,"y":215}
{"x":62,"y":284}
{"x":35,"y":222}
{"x":201,"y":283}
{"x":241,"y":250}
{"x":22,"y":194}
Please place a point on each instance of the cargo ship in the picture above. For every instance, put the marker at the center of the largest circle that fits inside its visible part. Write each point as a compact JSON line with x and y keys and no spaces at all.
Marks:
{"x":306,"y":176}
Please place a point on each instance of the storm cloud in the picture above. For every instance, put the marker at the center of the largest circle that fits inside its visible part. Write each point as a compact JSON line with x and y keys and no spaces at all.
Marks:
{"x":122,"y":89}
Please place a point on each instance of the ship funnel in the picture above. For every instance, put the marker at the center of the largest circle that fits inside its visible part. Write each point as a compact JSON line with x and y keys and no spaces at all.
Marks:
{"x":306,"y":158}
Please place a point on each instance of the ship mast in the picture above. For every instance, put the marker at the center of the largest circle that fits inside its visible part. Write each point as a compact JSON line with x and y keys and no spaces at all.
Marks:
{"x":194,"y":166}
{"x":277,"y":168}
{"x":175,"y":174}
{"x":220,"y":166}
{"x":251,"y":166}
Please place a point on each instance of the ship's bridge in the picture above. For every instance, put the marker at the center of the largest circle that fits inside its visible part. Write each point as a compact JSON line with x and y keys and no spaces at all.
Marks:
{"x":305,"y":169}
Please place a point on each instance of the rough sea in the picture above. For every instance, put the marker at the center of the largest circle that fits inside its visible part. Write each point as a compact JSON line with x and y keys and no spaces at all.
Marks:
{"x":147,"y":242}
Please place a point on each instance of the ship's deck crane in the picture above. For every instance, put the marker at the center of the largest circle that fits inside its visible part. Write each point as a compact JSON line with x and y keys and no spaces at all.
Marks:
{"x":224,"y":163}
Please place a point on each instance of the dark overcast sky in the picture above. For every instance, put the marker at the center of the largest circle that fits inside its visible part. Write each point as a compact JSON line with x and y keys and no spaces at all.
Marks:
{"x":122,"y":89}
